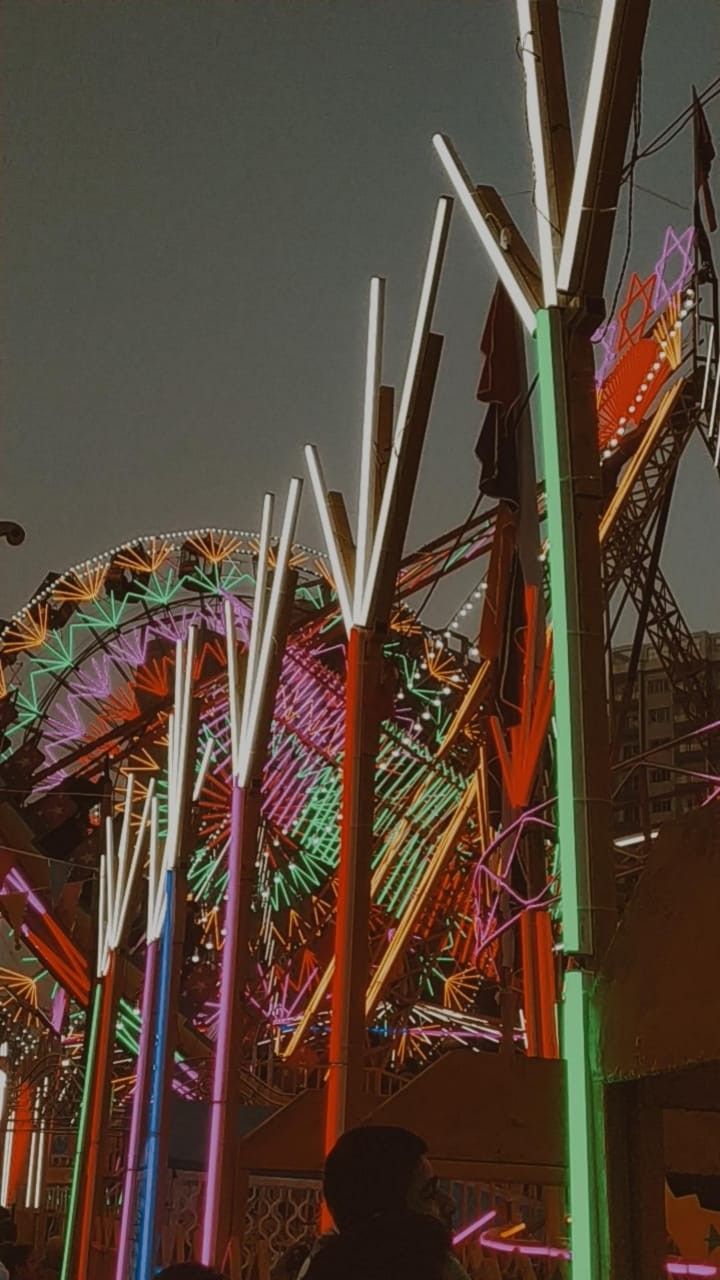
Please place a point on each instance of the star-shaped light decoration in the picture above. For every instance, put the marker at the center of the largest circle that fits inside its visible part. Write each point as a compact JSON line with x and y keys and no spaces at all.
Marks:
{"x":639,"y":292}
{"x":606,"y":339}
{"x":669,"y":282}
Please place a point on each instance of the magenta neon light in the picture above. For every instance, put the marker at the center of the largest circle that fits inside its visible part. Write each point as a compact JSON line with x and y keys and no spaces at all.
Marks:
{"x":132,"y":1168}
{"x":474,"y":1226}
{"x":676,"y":1267}
{"x":523,"y":1248}
{"x":221,"y":1074}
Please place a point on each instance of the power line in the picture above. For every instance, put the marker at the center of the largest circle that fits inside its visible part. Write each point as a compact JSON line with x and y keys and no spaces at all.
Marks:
{"x":671,"y":130}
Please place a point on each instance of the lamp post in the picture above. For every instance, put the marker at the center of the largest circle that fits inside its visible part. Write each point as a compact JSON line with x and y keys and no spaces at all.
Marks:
{"x":365,"y":581}
{"x":559,"y":300}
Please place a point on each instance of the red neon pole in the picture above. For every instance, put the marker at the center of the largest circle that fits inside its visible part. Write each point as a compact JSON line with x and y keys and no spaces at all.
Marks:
{"x":347,"y":1028}
{"x":91,"y":1174}
{"x":22,"y":1124}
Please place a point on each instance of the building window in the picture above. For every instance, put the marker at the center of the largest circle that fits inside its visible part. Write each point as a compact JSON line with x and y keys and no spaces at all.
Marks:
{"x":687,"y":748}
{"x":662,"y":806}
{"x":629,"y":750}
{"x":629,"y":816}
{"x":659,"y":775}
{"x":658,"y":685}
{"x":658,"y":715}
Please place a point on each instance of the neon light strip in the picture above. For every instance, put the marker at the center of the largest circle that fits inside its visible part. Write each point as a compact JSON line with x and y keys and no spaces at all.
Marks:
{"x":677,"y":1267}
{"x":373,"y":375}
{"x":541,"y":198}
{"x":342,"y":586}
{"x":221,"y":1074}
{"x":71,"y":1224}
{"x":258,"y":688}
{"x":584,"y":1193}
{"x":713,"y":412}
{"x":142,"y":1080}
{"x":147,"y":1244}
{"x":257,"y":625}
{"x":591,"y":135}
{"x":524,"y":305}
{"x":523,"y":1249}
{"x":7,"y":1158}
{"x":423,"y":320}
{"x":708,"y":361}
{"x":474,"y":1226}
{"x":574,"y":871}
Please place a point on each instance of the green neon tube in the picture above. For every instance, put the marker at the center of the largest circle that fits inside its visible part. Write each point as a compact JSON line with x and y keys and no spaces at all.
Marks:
{"x":82,"y":1132}
{"x":587,"y":1178}
{"x":553,"y":413}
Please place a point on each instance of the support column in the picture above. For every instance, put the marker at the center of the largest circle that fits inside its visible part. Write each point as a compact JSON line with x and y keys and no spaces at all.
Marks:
{"x":573,"y":494}
{"x":347,"y":1030}
{"x":224,"y":1210}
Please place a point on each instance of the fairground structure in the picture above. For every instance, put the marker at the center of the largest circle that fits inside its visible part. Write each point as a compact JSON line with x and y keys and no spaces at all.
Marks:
{"x":277,"y":857}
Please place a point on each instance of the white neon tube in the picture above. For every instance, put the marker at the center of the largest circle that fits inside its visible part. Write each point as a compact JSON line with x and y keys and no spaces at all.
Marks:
{"x":591,"y":132}
{"x":373,"y":374}
{"x":713,"y":414}
{"x":30,"y":1184}
{"x":466,"y":195}
{"x":259,"y":606}
{"x":182,"y":732}
{"x":177,"y":772}
{"x":153,"y":884}
{"x":341,"y":584}
{"x":7,"y":1158}
{"x":3,"y":1079}
{"x":537,"y":147}
{"x":708,"y":357}
{"x":121,"y":875}
{"x":101,"y":931}
{"x":129,"y":879}
{"x":202,"y":772}
{"x":177,"y":707}
{"x":232,"y":685}
{"x":40,"y":1153}
{"x":423,"y":320}
{"x":269,"y":637}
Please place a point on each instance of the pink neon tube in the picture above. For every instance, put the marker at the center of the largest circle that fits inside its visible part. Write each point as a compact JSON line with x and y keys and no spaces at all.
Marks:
{"x":474,"y":1226}
{"x":219,"y":1104}
{"x":139,"y":1108}
{"x":677,"y":1267}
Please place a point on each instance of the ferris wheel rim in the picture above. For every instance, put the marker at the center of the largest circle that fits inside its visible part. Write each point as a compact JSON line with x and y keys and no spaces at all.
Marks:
{"x":174,"y":538}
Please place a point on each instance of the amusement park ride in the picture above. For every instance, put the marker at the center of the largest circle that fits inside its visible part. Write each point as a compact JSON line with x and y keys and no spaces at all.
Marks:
{"x":273,"y":847}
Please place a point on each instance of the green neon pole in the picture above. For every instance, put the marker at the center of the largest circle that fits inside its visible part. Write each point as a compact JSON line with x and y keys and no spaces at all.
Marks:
{"x":589,"y":1232}
{"x":70,"y":1223}
{"x":574,"y":877}
{"x":588,"y":1179}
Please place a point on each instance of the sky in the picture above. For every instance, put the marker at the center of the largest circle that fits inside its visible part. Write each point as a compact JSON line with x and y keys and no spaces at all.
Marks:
{"x":195,"y":195}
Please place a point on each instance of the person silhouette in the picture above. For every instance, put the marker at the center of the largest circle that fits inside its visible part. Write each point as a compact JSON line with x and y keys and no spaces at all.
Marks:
{"x":391,"y":1216}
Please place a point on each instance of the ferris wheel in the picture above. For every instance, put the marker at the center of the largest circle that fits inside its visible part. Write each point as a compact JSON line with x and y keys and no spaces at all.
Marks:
{"x":87,"y":678}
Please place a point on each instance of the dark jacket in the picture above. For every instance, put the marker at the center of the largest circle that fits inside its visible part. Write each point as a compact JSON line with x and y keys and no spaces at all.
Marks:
{"x":401,"y":1246}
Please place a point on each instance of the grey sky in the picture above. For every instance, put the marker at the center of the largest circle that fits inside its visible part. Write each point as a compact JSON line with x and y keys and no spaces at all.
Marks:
{"x":195,"y":196}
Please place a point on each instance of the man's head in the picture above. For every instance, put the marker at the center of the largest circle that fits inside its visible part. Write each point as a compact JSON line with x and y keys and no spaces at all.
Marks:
{"x":378,"y":1169}
{"x":188,"y":1271}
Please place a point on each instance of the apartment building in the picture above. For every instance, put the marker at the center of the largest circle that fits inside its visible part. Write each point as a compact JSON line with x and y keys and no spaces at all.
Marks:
{"x":661,"y":787}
